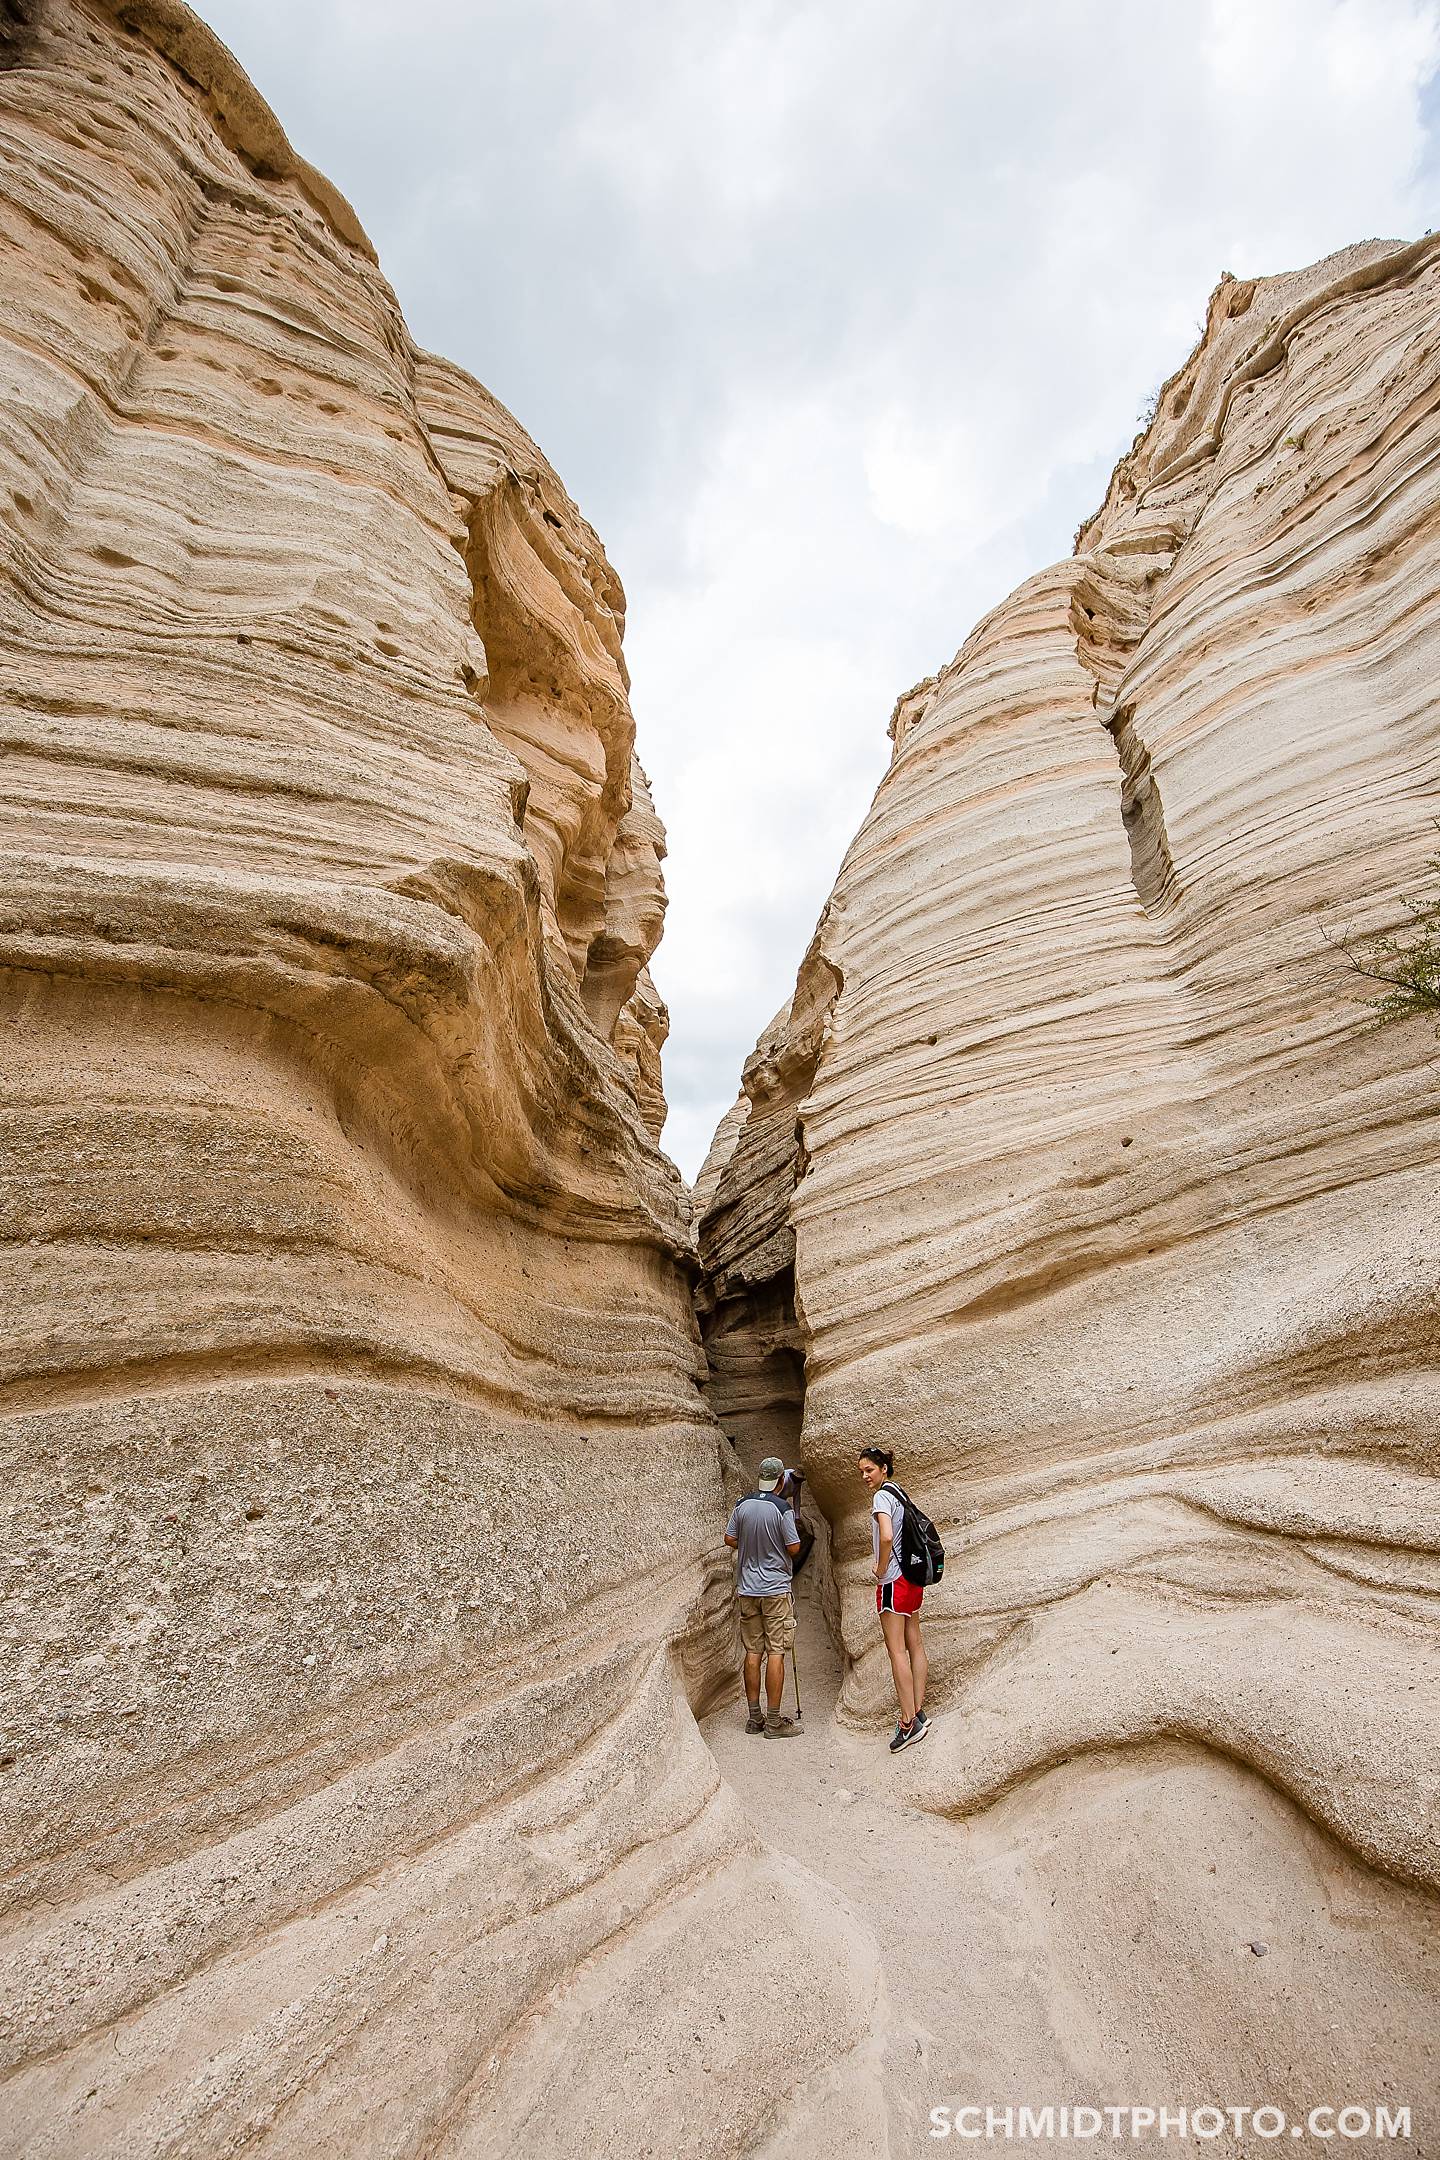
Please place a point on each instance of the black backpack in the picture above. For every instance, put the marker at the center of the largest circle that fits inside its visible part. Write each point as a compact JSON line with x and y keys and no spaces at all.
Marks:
{"x":922,"y":1556}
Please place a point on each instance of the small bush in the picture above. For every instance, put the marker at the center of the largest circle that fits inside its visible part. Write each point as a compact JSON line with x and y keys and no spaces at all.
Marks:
{"x":1405,"y":966}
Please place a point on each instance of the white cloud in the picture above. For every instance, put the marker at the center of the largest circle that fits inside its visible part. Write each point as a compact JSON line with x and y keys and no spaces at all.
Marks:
{"x":833,"y":315}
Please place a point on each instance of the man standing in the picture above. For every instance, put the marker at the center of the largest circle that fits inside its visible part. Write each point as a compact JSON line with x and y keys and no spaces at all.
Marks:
{"x":762,"y":1531}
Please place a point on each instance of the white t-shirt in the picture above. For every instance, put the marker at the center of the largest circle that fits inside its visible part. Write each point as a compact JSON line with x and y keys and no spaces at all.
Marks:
{"x":885,"y":1503}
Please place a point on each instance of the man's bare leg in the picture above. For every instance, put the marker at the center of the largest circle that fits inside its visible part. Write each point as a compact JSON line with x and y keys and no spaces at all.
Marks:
{"x":752,"y":1678}
{"x":774,"y":1679}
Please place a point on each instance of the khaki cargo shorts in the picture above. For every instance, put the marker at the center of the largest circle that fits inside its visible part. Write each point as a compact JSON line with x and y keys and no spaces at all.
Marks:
{"x":767,"y":1623}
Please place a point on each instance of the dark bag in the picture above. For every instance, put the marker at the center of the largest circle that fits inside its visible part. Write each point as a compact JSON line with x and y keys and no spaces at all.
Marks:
{"x":922,"y":1556}
{"x":803,"y":1532}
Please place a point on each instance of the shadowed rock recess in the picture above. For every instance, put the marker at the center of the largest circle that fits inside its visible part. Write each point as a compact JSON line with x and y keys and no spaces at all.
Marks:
{"x":1074,"y":1176}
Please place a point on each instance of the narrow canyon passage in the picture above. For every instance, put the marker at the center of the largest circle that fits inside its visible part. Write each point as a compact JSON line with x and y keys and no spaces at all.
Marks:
{"x":371,"y":1776}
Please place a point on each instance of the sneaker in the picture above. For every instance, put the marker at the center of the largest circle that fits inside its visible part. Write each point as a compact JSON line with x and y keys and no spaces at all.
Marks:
{"x":920,"y":1719}
{"x":781,"y":1728}
{"x":907,"y":1735}
{"x":756,"y":1720}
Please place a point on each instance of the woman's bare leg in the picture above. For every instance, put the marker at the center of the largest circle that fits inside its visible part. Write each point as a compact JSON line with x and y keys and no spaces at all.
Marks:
{"x":893,"y":1624}
{"x":919,"y":1662}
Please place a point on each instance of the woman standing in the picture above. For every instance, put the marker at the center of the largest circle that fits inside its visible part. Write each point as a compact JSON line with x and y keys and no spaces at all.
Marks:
{"x":896,"y":1600}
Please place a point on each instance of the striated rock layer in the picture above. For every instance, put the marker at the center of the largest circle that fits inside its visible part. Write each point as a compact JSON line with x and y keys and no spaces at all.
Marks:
{"x":359,"y":1496}
{"x":1075,"y":1177}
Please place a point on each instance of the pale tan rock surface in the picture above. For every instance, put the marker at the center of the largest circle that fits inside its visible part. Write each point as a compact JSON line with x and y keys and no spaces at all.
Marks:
{"x":360,"y":1505}
{"x":1085,"y":1189}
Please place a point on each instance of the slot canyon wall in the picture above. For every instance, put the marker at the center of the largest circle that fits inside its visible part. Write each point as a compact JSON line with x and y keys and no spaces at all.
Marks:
{"x":360,"y":1503}
{"x":1074,"y":1176}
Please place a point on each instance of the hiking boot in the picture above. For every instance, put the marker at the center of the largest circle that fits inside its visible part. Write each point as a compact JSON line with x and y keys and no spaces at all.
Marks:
{"x":756,"y":1720}
{"x":780,"y":1728}
{"x":907,"y":1735}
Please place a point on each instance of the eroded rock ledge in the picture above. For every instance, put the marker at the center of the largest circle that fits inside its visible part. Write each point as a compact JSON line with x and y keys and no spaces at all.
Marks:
{"x":1073,"y":1174}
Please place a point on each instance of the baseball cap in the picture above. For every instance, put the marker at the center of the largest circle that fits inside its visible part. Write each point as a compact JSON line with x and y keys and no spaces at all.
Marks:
{"x":771,"y":1472}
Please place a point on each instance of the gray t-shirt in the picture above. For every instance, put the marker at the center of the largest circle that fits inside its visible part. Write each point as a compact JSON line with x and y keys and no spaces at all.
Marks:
{"x":886,"y":1503}
{"x":762,"y":1531}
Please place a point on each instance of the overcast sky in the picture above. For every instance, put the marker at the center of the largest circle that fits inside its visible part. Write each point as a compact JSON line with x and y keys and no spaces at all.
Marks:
{"x":833,"y":318}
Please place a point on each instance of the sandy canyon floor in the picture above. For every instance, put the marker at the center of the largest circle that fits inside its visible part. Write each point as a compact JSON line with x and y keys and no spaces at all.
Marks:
{"x":997,"y":1982}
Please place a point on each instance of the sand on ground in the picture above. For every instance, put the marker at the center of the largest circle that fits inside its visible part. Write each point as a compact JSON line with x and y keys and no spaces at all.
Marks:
{"x":1088,"y":1940}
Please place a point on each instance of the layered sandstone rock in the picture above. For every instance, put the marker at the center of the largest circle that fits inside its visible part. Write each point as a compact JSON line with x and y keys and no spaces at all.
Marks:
{"x":359,"y":1497}
{"x":1077,"y":1179}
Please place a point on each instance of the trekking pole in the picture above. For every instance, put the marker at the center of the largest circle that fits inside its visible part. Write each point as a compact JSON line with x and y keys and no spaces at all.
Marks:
{"x":795,"y":1670}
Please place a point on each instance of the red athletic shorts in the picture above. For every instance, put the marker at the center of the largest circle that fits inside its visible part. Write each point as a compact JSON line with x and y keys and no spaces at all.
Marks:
{"x":898,"y":1596}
